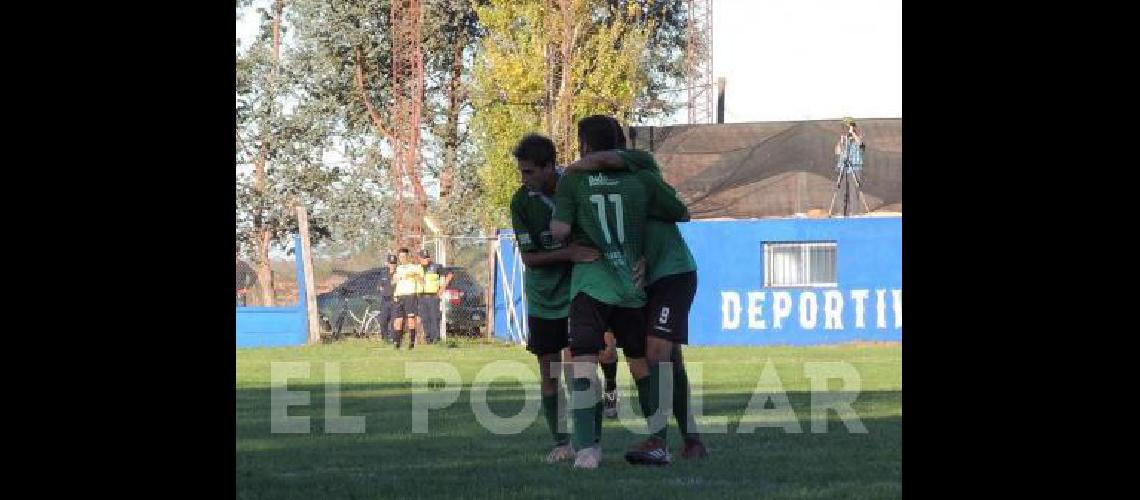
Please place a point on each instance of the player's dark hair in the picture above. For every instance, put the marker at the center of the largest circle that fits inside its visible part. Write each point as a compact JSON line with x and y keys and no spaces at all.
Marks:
{"x":537,"y":149}
{"x":598,"y":132}
{"x":619,"y":133}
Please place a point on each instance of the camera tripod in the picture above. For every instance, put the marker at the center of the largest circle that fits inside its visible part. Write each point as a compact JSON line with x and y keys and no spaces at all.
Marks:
{"x":847,"y":173}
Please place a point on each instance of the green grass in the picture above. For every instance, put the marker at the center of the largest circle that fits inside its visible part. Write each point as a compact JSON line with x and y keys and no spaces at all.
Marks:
{"x":458,"y":458}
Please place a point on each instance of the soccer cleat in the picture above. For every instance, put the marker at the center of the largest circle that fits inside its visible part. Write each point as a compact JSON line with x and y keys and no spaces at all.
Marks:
{"x":694,"y":448}
{"x":609,"y":404}
{"x":652,"y":451}
{"x":588,"y":458}
{"x":560,"y":453}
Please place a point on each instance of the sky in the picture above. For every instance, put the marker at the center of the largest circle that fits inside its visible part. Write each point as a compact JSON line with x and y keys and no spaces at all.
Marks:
{"x":808,"y":59}
{"x":795,"y":59}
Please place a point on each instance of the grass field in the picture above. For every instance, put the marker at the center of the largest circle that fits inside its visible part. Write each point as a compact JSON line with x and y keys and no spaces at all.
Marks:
{"x":458,"y":458}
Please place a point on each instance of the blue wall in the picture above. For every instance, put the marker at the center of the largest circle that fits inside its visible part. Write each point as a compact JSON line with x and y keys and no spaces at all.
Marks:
{"x":276,"y":326}
{"x":730,"y":264}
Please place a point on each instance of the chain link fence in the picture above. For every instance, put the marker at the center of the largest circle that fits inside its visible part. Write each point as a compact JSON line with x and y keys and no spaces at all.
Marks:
{"x":350,"y":291}
{"x":350,"y":302}
{"x":465,"y":302}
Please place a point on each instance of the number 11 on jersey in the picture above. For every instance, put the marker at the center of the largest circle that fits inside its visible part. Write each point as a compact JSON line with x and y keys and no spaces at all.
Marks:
{"x":619,"y":216}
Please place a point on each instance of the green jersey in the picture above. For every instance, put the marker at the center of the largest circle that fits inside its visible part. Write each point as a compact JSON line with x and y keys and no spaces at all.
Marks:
{"x":666,"y":252}
{"x":610,"y":210}
{"x":547,"y":287}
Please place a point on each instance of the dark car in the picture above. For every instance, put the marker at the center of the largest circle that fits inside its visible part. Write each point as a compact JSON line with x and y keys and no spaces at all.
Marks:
{"x":344,"y":308}
{"x":465,"y":304}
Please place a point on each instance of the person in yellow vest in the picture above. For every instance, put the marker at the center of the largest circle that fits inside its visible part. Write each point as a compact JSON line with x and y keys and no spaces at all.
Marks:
{"x":436,"y":280}
{"x":409,"y":283}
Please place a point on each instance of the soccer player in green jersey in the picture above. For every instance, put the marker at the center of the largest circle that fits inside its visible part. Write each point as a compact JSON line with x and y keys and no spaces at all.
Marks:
{"x":548,"y":263}
{"x":672,"y":285}
{"x":609,"y":210}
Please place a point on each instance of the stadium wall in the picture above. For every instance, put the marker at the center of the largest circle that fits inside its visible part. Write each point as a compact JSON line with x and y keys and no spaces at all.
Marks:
{"x":734,"y":306}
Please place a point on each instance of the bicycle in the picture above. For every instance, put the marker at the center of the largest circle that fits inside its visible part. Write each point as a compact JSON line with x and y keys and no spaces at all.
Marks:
{"x":367,"y":323}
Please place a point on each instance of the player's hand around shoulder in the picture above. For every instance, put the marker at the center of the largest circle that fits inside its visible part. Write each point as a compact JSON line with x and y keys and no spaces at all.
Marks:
{"x":582,"y":253}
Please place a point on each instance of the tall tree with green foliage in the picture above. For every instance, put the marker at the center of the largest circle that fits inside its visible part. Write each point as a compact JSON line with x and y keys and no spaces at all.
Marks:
{"x":285,"y":135}
{"x":314,"y":89}
{"x":451,"y":36}
{"x":258,"y":113}
{"x":544,"y":64}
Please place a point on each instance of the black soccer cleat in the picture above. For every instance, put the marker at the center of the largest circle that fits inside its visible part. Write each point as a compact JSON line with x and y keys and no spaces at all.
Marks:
{"x":652,"y":451}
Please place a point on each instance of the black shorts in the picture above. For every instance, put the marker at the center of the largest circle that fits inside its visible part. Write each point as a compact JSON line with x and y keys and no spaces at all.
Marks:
{"x":667,"y":311}
{"x":547,"y":336}
{"x":405,"y":305}
{"x":589,"y":320}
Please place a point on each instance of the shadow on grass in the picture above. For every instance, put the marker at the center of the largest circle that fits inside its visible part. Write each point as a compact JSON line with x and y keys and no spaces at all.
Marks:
{"x":459,"y":458}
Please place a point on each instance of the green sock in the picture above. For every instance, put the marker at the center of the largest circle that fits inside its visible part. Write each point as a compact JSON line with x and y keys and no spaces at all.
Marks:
{"x":643,"y":395}
{"x":685,"y":421}
{"x":657,"y":417}
{"x":550,"y":409}
{"x":584,"y":414}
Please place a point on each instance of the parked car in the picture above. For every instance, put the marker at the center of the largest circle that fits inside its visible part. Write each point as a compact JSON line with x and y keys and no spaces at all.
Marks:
{"x":465,"y":304}
{"x":345,"y":308}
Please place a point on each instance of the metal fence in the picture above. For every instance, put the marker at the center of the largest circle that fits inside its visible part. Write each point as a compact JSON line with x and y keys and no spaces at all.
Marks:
{"x":350,"y":305}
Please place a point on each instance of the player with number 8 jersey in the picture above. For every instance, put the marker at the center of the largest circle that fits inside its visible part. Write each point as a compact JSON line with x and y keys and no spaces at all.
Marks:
{"x":610,"y":211}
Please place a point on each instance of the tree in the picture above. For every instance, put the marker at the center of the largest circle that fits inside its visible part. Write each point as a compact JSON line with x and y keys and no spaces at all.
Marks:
{"x":664,"y":58}
{"x":260,"y":84}
{"x":284,"y":137}
{"x":316,"y":103}
{"x":451,"y":36}
{"x":351,"y":45}
{"x":595,"y":56}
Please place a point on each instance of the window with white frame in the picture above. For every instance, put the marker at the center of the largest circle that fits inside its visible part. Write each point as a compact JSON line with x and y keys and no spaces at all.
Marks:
{"x":800,"y":264}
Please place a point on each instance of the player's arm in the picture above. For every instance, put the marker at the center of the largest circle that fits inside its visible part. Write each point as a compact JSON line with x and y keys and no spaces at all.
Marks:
{"x":598,"y":160}
{"x":527,"y":241}
{"x":637,"y":160}
{"x":631,"y":160}
{"x":669,"y":207}
{"x":530,"y":252}
{"x":559,"y":230}
{"x":664,"y":205}
{"x":564,"y":208}
{"x":573,"y":252}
